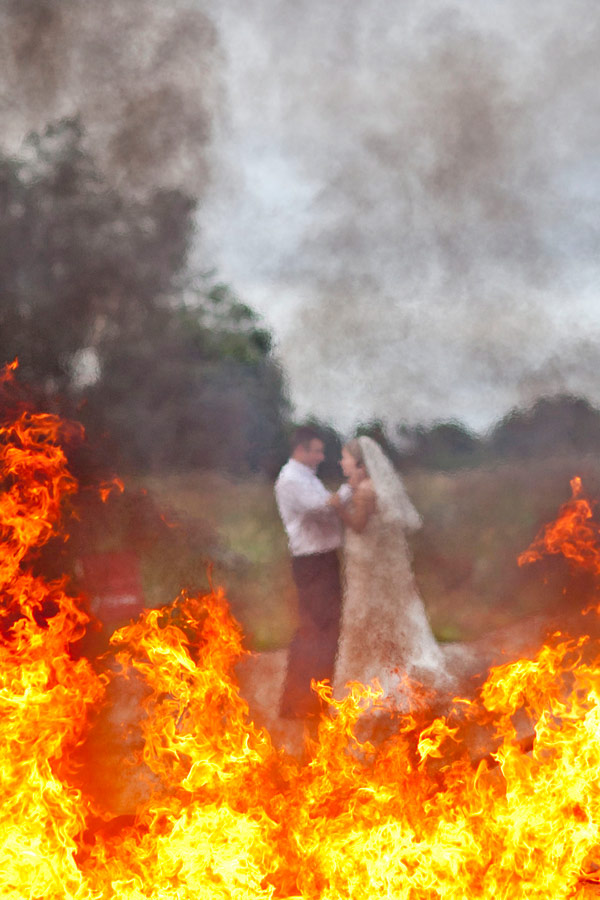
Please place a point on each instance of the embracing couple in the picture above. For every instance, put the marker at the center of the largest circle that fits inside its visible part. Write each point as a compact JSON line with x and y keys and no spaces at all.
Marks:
{"x":371,"y":622}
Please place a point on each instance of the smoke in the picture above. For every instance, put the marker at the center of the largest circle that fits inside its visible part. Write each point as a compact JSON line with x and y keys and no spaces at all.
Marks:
{"x":142,"y":75}
{"x":416,"y":200}
{"x":407,"y":191}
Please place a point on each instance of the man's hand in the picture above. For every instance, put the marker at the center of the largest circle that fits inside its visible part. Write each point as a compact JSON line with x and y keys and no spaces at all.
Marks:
{"x":341,"y":497}
{"x":336,"y":501}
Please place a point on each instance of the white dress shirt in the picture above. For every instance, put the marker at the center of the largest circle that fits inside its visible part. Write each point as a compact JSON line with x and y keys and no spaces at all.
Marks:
{"x":311,"y":525}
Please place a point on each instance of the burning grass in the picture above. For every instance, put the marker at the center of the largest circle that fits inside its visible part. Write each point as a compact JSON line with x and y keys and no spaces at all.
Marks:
{"x":226,"y":814}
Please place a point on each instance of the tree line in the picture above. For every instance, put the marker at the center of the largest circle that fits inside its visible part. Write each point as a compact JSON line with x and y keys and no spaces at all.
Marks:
{"x":558,"y":425}
{"x":165,"y":368}
{"x":553,"y":426}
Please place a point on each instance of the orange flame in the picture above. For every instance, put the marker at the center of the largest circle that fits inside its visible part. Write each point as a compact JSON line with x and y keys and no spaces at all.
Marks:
{"x":107,"y":487}
{"x":227,"y":814}
{"x":574,"y":534}
{"x":7,"y":373}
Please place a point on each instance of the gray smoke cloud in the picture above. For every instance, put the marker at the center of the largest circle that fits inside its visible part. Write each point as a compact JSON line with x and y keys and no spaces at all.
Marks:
{"x":142,"y":75}
{"x":407,"y":191}
{"x":414,"y":199}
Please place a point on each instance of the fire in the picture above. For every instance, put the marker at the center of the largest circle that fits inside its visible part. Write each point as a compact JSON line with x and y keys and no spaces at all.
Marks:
{"x":574,"y":535}
{"x":229,"y":815}
{"x":44,"y":695}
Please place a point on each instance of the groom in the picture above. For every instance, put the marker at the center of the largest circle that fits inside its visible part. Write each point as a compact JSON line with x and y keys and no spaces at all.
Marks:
{"x":314,"y":535}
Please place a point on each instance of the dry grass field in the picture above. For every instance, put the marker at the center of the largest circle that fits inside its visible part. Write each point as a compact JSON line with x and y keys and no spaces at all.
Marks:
{"x":252,"y":563}
{"x":476,"y":522}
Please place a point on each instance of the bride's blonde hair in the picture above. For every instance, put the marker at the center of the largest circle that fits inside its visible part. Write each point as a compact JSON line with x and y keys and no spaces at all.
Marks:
{"x":355,"y":450}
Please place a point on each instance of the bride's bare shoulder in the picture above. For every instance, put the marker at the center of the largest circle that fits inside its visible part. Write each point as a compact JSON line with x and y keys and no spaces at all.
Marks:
{"x":366,"y":489}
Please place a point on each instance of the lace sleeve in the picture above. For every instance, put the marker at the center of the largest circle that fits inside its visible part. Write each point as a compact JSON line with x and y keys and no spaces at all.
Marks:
{"x":392,"y":498}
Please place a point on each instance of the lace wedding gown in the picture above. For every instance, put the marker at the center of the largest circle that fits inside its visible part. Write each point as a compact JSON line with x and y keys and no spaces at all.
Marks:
{"x":385,"y":634}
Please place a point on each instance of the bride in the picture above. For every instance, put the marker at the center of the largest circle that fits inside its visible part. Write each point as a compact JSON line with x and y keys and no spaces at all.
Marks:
{"x":385,"y":634}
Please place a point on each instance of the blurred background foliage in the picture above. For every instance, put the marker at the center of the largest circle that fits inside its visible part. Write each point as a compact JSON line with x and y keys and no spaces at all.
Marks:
{"x":180,"y":391}
{"x":108,"y":323}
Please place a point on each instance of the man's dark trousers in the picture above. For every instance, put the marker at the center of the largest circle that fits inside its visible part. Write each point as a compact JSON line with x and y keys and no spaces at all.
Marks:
{"x":314,"y":645}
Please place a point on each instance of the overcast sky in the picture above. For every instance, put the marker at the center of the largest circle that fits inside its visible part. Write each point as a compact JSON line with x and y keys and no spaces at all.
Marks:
{"x":407,"y":190}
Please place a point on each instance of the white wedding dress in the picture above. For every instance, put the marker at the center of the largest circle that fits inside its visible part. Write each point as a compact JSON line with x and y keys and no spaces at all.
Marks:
{"x":385,"y":634}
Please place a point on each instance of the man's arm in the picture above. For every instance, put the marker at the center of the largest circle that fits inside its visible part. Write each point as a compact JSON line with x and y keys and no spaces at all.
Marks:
{"x":360,"y":511}
{"x":308,"y":500}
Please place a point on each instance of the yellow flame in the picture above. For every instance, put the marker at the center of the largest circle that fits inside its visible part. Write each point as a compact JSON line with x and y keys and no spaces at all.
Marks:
{"x":229,"y":815}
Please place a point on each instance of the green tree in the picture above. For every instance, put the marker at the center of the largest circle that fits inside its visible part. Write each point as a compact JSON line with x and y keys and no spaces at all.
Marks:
{"x":215,"y":397}
{"x":445,"y":445}
{"x":98,"y":304}
{"x":79,"y":263}
{"x":558,"y":424}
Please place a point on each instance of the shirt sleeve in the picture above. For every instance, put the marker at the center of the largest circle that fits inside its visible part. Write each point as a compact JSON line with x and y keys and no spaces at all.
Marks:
{"x":307,"y":500}
{"x":345,"y":493}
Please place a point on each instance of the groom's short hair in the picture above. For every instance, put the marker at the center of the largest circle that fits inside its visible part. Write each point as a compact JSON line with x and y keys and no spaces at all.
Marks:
{"x":303,"y":435}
